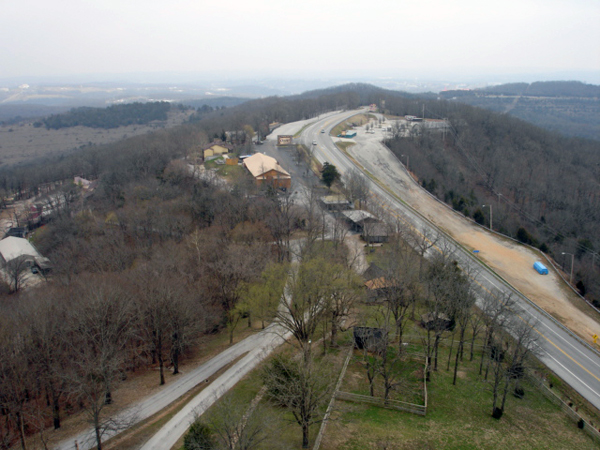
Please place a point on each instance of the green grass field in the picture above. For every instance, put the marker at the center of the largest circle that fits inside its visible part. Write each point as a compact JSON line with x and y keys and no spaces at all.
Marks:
{"x":458,"y":417}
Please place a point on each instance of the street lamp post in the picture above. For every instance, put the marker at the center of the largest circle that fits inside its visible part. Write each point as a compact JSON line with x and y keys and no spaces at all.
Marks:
{"x":491,"y":215}
{"x":572,"y":261}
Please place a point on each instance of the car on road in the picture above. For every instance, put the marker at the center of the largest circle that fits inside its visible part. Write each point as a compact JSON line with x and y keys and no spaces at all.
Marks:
{"x":322,"y":131}
{"x":314,"y":142}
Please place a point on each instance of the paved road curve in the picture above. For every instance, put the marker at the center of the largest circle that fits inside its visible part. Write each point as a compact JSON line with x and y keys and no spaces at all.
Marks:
{"x":253,"y":345}
{"x":172,"y":431}
{"x":571,"y":359}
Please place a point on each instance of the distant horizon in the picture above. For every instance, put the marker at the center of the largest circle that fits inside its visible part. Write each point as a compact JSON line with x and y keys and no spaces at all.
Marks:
{"x":193,"y":79}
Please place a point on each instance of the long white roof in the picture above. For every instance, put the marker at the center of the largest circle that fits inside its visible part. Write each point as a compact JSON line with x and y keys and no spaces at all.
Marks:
{"x":358,"y":215}
{"x":259,"y":164}
{"x":13,"y":247}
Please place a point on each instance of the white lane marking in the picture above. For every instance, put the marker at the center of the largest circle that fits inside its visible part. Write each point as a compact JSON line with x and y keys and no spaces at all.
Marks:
{"x":577,"y":378}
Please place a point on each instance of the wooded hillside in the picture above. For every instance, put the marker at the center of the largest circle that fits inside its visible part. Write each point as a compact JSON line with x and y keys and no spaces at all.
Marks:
{"x":544,"y":188}
{"x":569,"y":107}
{"x":112,"y":117}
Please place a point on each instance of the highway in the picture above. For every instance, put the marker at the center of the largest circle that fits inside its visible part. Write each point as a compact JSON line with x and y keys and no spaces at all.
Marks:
{"x":560,"y":350}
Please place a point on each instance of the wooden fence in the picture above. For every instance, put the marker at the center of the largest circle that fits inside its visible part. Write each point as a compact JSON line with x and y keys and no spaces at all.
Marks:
{"x":378,"y":401}
{"x":332,"y":401}
{"x":391,"y":404}
{"x":571,"y":413}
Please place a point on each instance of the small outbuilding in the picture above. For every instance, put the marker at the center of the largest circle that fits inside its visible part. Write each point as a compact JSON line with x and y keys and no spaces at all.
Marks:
{"x":217,"y":148}
{"x":436,"y":321}
{"x":18,"y":249}
{"x":375,"y":233}
{"x":378,"y":287}
{"x":349,"y":134}
{"x":358,"y":218}
{"x":335,"y":203}
{"x":369,"y":338}
{"x":372,"y":272}
{"x":541,"y":269}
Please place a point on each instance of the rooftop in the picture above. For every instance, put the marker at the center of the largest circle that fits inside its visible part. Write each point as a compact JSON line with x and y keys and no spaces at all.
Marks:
{"x":13,"y":247}
{"x":358,"y":215}
{"x":259,"y":164}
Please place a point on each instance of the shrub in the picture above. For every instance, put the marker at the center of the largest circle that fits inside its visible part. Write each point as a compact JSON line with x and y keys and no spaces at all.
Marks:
{"x":519,"y":392}
{"x":199,"y":437}
{"x":525,"y":237}
{"x":497,"y":414}
{"x":479,"y":217}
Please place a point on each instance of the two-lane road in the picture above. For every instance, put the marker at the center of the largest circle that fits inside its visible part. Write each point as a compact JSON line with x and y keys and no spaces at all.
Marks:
{"x":568,"y":356}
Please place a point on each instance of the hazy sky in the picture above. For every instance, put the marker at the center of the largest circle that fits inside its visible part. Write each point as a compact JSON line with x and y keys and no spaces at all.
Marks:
{"x":337,"y":37}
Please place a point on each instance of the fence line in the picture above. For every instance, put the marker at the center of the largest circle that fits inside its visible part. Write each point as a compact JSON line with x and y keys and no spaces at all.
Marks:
{"x":571,"y":413}
{"x":378,"y":401}
{"x":332,"y":401}
{"x":392,"y":404}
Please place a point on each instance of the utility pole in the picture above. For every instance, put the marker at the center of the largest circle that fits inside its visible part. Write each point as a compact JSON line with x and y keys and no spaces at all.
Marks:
{"x":491,"y":214}
{"x":407,"y":169}
{"x":572,"y":261}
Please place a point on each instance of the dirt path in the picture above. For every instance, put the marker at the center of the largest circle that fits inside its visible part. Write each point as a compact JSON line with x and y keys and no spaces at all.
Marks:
{"x":510,"y":260}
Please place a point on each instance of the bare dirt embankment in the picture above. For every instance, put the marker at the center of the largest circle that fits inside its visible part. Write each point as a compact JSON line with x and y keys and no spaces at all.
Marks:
{"x":510,"y":260}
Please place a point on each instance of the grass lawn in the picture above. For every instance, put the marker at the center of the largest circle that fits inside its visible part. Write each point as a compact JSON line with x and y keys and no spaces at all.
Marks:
{"x":344,"y":145}
{"x":281,"y":429}
{"x":357,"y":120}
{"x":458,"y":417}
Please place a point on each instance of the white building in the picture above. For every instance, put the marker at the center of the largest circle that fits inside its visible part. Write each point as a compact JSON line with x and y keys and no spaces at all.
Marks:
{"x":12,"y":248}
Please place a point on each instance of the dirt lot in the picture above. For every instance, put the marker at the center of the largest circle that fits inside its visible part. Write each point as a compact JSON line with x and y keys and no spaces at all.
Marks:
{"x":510,"y":260}
{"x":24,"y":142}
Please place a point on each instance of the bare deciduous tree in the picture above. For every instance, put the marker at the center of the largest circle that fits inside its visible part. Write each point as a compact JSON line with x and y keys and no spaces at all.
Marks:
{"x":303,"y":386}
{"x":100,"y":325}
{"x":17,"y":269}
{"x":357,"y":187}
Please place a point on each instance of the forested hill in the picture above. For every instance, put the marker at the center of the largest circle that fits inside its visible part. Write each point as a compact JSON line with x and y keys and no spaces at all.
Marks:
{"x":363,"y":90}
{"x":112,"y":117}
{"x":570,"y":107}
{"x":544,"y":188}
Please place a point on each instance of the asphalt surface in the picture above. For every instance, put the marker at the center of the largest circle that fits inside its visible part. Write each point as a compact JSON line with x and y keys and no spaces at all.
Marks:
{"x":262,"y":345}
{"x":559,"y":349}
{"x":253,"y":346}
